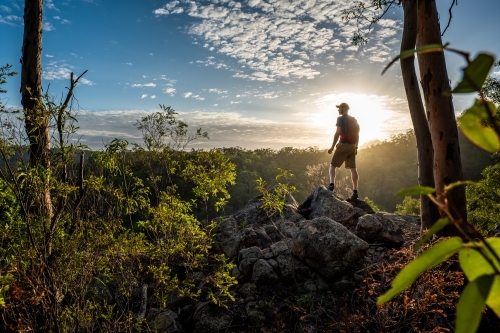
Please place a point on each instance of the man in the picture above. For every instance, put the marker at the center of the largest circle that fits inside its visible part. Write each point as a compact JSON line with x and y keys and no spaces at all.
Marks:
{"x":347,"y":148}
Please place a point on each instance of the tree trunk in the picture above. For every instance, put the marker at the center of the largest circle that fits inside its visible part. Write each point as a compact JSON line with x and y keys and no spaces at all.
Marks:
{"x":35,"y":114}
{"x":440,"y":113}
{"x":429,"y":212}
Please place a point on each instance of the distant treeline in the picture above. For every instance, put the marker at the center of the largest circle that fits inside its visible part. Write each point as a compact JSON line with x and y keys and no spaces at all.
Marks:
{"x":383,"y":168}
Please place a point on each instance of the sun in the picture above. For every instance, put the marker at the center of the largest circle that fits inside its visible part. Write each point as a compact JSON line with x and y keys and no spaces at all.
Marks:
{"x":370,"y":111}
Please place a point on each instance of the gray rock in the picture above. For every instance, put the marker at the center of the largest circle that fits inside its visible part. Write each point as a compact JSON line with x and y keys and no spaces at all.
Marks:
{"x":227,"y":239}
{"x":280,"y":248}
{"x":247,"y":258}
{"x":248,"y":289}
{"x":274,"y":264}
{"x":163,"y":320}
{"x":263,"y":272}
{"x":325,"y":203}
{"x":381,"y":227}
{"x":328,"y":246}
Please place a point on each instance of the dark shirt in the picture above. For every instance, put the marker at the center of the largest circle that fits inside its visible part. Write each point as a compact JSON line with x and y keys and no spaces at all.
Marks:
{"x":342,"y":123}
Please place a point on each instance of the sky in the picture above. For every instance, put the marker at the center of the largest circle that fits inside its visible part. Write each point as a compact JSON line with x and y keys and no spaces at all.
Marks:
{"x":253,"y":74}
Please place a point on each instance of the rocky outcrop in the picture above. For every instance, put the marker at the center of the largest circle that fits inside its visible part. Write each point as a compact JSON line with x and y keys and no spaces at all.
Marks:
{"x":381,"y":228}
{"x":328,"y":246}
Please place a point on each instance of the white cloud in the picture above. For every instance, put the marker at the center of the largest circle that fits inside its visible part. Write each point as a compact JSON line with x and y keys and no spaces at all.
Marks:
{"x":142,"y":85}
{"x":217,"y":91}
{"x":496,"y":73}
{"x":226,"y":129}
{"x":190,"y":95}
{"x":151,"y":54}
{"x":170,"y":91}
{"x":128,"y":63}
{"x":144,"y":96}
{"x":10,"y":19}
{"x":152,"y":96}
{"x":50,"y":5}
{"x":161,"y":11}
{"x":47,"y":26}
{"x":5,"y":9}
{"x":49,"y":56}
{"x":60,"y":71}
{"x":271,"y":41}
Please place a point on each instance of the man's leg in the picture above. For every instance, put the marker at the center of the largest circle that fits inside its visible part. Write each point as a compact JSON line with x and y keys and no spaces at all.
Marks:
{"x":332,"y":173}
{"x":354,"y":177}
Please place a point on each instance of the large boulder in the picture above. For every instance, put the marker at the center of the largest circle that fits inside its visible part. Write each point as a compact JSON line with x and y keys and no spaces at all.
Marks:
{"x":328,"y":246}
{"x":228,"y":238}
{"x":263,"y":272}
{"x":324,"y":202}
{"x":381,"y":227}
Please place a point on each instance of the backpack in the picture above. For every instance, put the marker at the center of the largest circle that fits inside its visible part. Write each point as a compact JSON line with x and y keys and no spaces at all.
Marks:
{"x":352,"y":135}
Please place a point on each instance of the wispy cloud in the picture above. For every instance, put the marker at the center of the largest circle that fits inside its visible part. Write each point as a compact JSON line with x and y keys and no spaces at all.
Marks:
{"x":142,"y":85}
{"x":58,"y":71}
{"x":47,"y":26}
{"x":276,"y":40}
{"x":170,"y":91}
{"x":63,"y":21}
{"x":152,"y":96}
{"x":49,"y":55}
{"x":144,"y":96}
{"x":50,"y":5}
{"x":5,"y":9}
{"x":190,"y":95}
{"x":10,"y":19}
{"x":128,"y":63}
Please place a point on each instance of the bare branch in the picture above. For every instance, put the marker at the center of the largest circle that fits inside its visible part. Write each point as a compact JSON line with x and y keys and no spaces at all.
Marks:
{"x":454,"y":3}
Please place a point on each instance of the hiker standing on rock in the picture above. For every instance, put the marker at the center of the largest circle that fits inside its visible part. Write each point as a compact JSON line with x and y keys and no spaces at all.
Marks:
{"x":346,"y":149}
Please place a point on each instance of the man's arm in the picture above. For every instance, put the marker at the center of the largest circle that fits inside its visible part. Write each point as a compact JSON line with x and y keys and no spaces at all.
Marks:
{"x":335,"y":139}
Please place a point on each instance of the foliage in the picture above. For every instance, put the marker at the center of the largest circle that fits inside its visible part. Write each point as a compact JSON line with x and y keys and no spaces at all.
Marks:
{"x":371,"y":204}
{"x":479,"y":259}
{"x":274,"y":199}
{"x":483,"y":200}
{"x":409,"y":206}
{"x":79,"y":268}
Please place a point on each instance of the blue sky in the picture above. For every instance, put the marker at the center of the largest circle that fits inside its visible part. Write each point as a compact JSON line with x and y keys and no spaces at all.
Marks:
{"x":254,"y":74}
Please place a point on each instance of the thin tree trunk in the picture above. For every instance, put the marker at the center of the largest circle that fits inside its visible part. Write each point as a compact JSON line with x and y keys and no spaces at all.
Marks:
{"x":440,"y":113}
{"x":35,"y":114}
{"x":429,"y":212}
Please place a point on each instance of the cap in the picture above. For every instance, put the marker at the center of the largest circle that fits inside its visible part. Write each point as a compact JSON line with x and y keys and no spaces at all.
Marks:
{"x":343,"y":105}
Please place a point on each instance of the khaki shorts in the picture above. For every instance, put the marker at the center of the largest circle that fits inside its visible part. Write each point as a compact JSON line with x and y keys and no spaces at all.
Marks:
{"x":344,"y":152}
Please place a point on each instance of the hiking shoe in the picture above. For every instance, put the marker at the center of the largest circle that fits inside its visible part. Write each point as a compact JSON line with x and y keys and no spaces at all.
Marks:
{"x":354,"y":196}
{"x":330,"y":187}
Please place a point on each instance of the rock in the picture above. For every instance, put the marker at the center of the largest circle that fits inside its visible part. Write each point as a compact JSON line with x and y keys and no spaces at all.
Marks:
{"x":263,"y":273}
{"x":163,"y":320}
{"x":287,"y":228}
{"x":381,"y":227}
{"x":237,"y":274}
{"x":356,"y":203}
{"x":328,"y":246}
{"x":324,"y":203}
{"x":263,"y":239}
{"x":248,"y":237}
{"x":341,"y":286}
{"x":252,"y":213}
{"x":227,"y":239}
{"x":280,"y":248}
{"x":247,"y":258}
{"x":211,"y":318}
{"x":248,"y":289}
{"x":274,"y":264}
{"x":310,"y":286}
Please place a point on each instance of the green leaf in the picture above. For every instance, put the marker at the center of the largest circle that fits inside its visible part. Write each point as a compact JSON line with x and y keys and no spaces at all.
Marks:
{"x":472,"y":261}
{"x":430,"y":258}
{"x":408,"y":53}
{"x":471,"y":125}
{"x":440,"y":224}
{"x":416,"y":190}
{"x":471,"y":303}
{"x":475,"y":74}
{"x":493,"y":300}
{"x":459,"y":183}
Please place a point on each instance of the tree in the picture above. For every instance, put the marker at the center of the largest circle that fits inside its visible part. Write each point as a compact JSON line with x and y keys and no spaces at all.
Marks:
{"x":35,"y":115}
{"x":440,"y":113}
{"x":421,"y":22}
{"x":425,"y":152}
